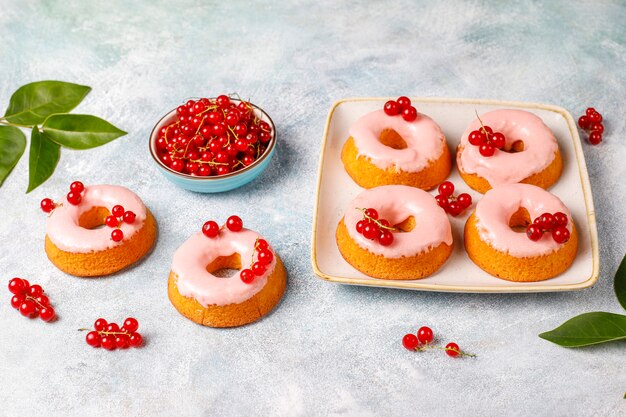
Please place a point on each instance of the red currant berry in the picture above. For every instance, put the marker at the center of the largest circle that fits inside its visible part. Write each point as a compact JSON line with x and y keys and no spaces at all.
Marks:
{"x":112,"y":328}
{"x":182,"y":111}
{"x":222,"y":101}
{"x":410,"y":341}
{"x":560,"y":219}
{"x":360,"y":225}
{"x":446,"y":189}
{"x":371,"y":231}
{"x":265,"y":256}
{"x":135,"y":340}
{"x":234,"y":223}
{"x":464,"y":200}
{"x":247,"y":160}
{"x":47,"y":205}
{"x":131,"y":325}
{"x":487,"y":150}
{"x":453,"y":350}
{"x":385,"y":237}
{"x":247,"y":276}
{"x":534,"y":232}
{"x":487,"y":131}
{"x":77,"y":187}
{"x":371,"y":213}
{"x":35,"y":290}
{"x":117,"y":235}
{"x":241,"y":145}
{"x":221,"y":157}
{"x":590,"y":110}
{"x":597,"y":127}
{"x":111,"y":221}
{"x":73,"y":198}
{"x":43,"y":300}
{"x":223,"y":170}
{"x":546,"y":221}
{"x":204,"y":171}
{"x":392,"y":108}
{"x":28,"y":308}
{"x":442,"y":201}
{"x":17,"y":286}
{"x":108,"y":342}
{"x":425,"y":334}
{"x":595,"y":138}
{"x":17,"y":300}
{"x":129,"y":217}
{"x":477,"y":138}
{"x":100,"y":324}
{"x":560,"y":234}
{"x":595,"y":117}
{"x":498,"y":140}
{"x":258,"y":268}
{"x":583,"y":122}
{"x":454,"y":208}
{"x":177,"y":165}
{"x":384,"y":222}
{"x":93,"y":339}
{"x":409,"y":114}
{"x":210,"y":229}
{"x":403,"y":102}
{"x":117,"y":211}
{"x":262,"y":244}
{"x":122,"y":341}
{"x":46,"y":314}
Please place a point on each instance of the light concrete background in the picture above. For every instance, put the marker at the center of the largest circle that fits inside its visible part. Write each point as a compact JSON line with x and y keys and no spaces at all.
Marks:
{"x":327,"y":349}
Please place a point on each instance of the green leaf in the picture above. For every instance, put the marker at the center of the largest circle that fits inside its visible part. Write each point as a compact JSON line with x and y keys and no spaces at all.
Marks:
{"x":43,"y":159}
{"x":620,"y":283}
{"x":12,"y":145}
{"x":32,"y":103}
{"x":588,"y":329}
{"x":80,"y":131}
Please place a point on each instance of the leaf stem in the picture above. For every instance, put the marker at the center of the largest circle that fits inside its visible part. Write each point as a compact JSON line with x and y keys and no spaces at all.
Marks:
{"x":6,"y":122}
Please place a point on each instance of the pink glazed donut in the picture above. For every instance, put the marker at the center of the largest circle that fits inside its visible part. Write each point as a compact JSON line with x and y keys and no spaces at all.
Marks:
{"x":531,"y":154}
{"x":422,"y":236}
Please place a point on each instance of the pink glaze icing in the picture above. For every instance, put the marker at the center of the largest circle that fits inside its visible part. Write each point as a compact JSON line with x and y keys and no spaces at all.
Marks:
{"x":495,"y":209}
{"x":194,"y":281}
{"x":424,"y":139}
{"x":396,"y":203}
{"x":62,"y":225}
{"x":502,"y":167}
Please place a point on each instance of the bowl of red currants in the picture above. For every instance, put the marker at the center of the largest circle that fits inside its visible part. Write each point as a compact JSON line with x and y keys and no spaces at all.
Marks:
{"x":212,"y":145}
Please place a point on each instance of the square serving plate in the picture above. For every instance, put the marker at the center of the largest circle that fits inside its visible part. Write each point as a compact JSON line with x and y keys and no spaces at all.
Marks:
{"x":336,"y":189}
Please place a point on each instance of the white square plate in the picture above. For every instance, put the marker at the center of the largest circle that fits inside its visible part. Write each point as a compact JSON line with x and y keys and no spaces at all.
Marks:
{"x":459,"y":274}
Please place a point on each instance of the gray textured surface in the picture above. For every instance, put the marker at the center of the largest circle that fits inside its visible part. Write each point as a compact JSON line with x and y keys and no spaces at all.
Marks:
{"x":327,"y":349}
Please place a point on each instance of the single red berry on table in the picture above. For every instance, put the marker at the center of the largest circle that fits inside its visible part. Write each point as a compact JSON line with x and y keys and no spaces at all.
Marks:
{"x":410,"y":341}
{"x":534,"y":232}
{"x":453,"y":350}
{"x":210,"y":228}
{"x":425,"y":334}
{"x":392,"y":108}
{"x":47,"y":205}
{"x":73,"y":198}
{"x":46,"y":313}
{"x":465,"y":200}
{"x":560,"y":234}
{"x":446,"y":189}
{"x":234,"y":223}
{"x":595,"y":138}
{"x":135,"y":340}
{"x":77,"y":187}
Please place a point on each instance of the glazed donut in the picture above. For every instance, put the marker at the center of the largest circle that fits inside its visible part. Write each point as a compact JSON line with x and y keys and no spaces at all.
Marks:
{"x":494,"y":246}
{"x":212,"y":301}
{"x":76,"y":245}
{"x":531,"y":154}
{"x":384,"y":150}
{"x":421,"y":243}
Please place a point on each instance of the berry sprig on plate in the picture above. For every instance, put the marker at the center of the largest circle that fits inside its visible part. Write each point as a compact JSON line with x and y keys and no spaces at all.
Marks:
{"x":591,"y":122}
{"x":401,"y":106}
{"x":374,"y":228}
{"x":555,"y":224}
{"x":451,"y":204}
{"x":423,"y":341}
{"x":110,"y":336}
{"x":30,"y":300}
{"x":213,"y":137}
{"x":486,"y":139}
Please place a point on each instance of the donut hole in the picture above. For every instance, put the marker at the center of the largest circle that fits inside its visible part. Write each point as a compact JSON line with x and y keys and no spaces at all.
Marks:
{"x":520,"y":220}
{"x":517,"y":146}
{"x":392,"y":139}
{"x":93,"y":218}
{"x":406,"y":225}
{"x":225,"y":266}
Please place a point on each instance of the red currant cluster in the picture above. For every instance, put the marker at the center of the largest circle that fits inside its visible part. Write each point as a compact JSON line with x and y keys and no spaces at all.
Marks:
{"x":591,"y":122}
{"x":402,"y":105}
{"x":30,"y":300}
{"x":213,"y":137}
{"x":74,"y":197}
{"x":212,"y":229}
{"x":374,"y":228}
{"x":555,"y":223}
{"x":451,"y":204}
{"x":486,"y":139}
{"x":110,"y":336}
{"x":264,"y":258}
{"x":423,"y":339}
{"x":119,"y":215}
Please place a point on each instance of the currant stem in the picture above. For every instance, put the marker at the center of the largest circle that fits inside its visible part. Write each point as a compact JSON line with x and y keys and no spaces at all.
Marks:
{"x":382,"y":226}
{"x":482,"y":126}
{"x":429,"y":346}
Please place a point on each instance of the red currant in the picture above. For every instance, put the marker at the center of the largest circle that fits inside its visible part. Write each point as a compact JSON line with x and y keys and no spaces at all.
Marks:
{"x":442,"y":201}
{"x":534,"y":232}
{"x":234,"y":223}
{"x":111,"y":221}
{"x":46,"y":314}
{"x":73,"y":198}
{"x":595,"y":138}
{"x":129,"y":217}
{"x":135,"y":340}
{"x":117,"y":235}
{"x":487,"y":150}
{"x":446,"y":189}
{"x":410,"y":341}
{"x":453,"y":350}
{"x":371,"y":213}
{"x":100,"y":324}
{"x":262,"y":244}
{"x":258,"y":268}
{"x":93,"y":339}
{"x":371,"y":231}
{"x":121,"y":341}
{"x":360,"y":225}
{"x":590,"y":111}
{"x":498,"y":140}
{"x":385,"y":238}
{"x":210,"y":228}
{"x":560,"y":234}
{"x":265,"y":256}
{"x":108,"y":342}
{"x":43,"y":300}
{"x":464,"y":200}
{"x":77,"y":187}
{"x":47,"y":205}
{"x":35,"y":290}
{"x":560,"y":219}
{"x":112,"y":328}
{"x":403,"y":102}
{"x":17,"y":285}
{"x":17,"y":300}
{"x":131,"y":325}
{"x":546,"y":221}
{"x":392,"y":108}
{"x":477,"y":138}
{"x":425,"y":334}
{"x":583,"y":122}
{"x":454,"y":208}
{"x":595,"y":117}
{"x":409,"y":114}
{"x":247,"y":276}
{"x":597,"y":127}
{"x":28,"y":308}
{"x":223,"y":101}
{"x":117,"y":211}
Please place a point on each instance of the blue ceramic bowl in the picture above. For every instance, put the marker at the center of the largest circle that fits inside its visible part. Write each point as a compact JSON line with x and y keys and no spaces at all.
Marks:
{"x":215,"y":184}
